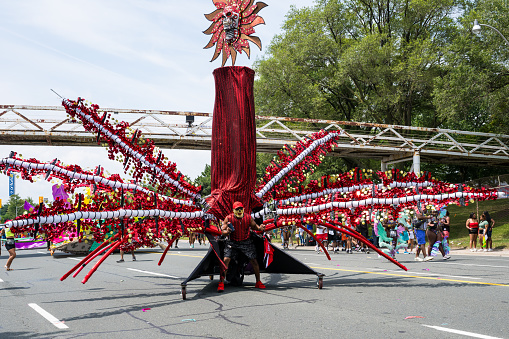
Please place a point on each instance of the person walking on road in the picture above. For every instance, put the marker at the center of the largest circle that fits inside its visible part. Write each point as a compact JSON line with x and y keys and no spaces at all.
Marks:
{"x":362,"y":228}
{"x":473,"y":230}
{"x":445,"y":223}
{"x":10,"y":246}
{"x":435,"y":237}
{"x":285,"y":236}
{"x":301,"y":237}
{"x":122,"y":256}
{"x":419,"y":225}
{"x":411,"y":236}
{"x":192,"y":238}
{"x":2,"y":238}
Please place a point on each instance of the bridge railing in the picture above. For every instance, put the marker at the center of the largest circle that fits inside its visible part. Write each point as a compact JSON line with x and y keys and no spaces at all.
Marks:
{"x":169,"y":129}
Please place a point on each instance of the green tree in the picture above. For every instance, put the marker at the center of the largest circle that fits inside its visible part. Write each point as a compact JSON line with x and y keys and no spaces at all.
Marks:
{"x":403,"y":62}
{"x":15,"y":207}
{"x":262,"y":161}
{"x":472,"y":92}
{"x":3,"y":211}
{"x":204,"y":179}
{"x":363,"y":60}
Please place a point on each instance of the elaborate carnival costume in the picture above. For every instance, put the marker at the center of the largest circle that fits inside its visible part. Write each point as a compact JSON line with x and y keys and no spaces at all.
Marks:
{"x":174,"y":206}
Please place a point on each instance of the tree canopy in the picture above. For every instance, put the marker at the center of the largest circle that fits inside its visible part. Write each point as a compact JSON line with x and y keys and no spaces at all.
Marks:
{"x":204,"y":179}
{"x":403,"y":62}
{"x":14,"y":207}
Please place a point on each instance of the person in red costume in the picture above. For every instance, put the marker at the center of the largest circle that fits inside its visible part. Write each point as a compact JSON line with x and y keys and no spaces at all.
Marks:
{"x":237,"y":226}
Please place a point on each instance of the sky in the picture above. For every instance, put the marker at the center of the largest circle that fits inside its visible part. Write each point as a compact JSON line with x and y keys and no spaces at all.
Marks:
{"x":145,"y":54}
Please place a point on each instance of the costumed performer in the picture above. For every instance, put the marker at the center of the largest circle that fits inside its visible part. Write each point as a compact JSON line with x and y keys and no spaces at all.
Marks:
{"x":10,"y":246}
{"x":435,"y":238}
{"x":419,"y":224}
{"x":237,"y":226}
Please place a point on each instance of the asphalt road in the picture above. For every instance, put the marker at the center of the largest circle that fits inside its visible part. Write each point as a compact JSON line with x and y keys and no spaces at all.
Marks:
{"x":363,"y":296}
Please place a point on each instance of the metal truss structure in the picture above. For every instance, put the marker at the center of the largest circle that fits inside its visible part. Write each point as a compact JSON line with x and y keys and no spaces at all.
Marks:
{"x":49,"y":125}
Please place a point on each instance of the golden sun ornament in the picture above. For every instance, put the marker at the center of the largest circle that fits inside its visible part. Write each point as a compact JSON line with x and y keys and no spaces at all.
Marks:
{"x":233,"y":23}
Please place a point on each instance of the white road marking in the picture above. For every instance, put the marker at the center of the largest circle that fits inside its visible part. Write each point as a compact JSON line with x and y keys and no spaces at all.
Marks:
{"x":153,"y":273}
{"x":57,"y":323}
{"x":75,"y":259}
{"x":430,"y":274}
{"x":42,"y":252}
{"x":469,"y":334}
{"x":1,"y":280}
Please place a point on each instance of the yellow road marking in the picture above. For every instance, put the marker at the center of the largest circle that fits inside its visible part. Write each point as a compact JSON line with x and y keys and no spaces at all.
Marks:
{"x":369,"y":272}
{"x":410,"y":276}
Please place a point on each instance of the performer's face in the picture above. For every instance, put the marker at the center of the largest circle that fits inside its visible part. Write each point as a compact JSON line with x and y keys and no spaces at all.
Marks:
{"x":239,"y":212}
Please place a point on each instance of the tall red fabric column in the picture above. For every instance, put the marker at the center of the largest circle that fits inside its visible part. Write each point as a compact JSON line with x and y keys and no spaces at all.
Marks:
{"x":233,"y":142}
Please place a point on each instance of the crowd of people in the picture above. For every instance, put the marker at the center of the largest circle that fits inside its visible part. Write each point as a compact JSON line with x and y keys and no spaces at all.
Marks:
{"x":480,"y":231}
{"x":425,"y":233}
{"x":421,"y":228}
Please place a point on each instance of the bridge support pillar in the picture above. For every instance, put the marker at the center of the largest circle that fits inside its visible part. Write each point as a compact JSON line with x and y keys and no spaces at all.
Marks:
{"x":383,"y":166}
{"x":417,"y":163}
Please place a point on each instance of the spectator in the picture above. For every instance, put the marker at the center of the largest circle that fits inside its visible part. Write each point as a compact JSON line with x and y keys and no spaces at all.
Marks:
{"x":290,"y":236}
{"x":374,"y":236}
{"x":489,"y":229}
{"x":176,"y":242}
{"x":481,"y":234}
{"x":285,"y":236}
{"x":333,"y":240}
{"x":362,"y":228}
{"x":411,"y":236}
{"x":122,"y":256}
{"x":191,"y":239}
{"x":310,"y":229}
{"x":348,"y":243}
{"x":390,"y":227}
{"x":301,"y":237}
{"x":201,"y":238}
{"x":473,"y":229}
{"x":274,"y":234}
{"x":344,"y":239}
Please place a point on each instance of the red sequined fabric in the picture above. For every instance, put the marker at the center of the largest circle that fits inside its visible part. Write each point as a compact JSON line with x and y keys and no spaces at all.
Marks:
{"x":233,"y":142}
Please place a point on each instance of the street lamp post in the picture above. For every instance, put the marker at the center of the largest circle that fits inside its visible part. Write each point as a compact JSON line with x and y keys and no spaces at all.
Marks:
{"x":477,"y":30}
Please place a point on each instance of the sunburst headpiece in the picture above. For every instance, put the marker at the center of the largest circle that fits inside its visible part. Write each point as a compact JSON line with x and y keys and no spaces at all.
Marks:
{"x":233,"y":23}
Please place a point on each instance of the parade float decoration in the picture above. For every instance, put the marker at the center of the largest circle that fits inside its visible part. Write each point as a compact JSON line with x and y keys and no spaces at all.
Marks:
{"x":159,"y":204}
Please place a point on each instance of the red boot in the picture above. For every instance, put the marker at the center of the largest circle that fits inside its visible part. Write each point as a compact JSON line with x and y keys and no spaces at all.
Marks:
{"x":220,"y":287}
{"x":259,"y":285}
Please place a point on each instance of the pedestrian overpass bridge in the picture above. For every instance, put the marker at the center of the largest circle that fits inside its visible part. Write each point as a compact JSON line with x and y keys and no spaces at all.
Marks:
{"x":51,"y":126}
